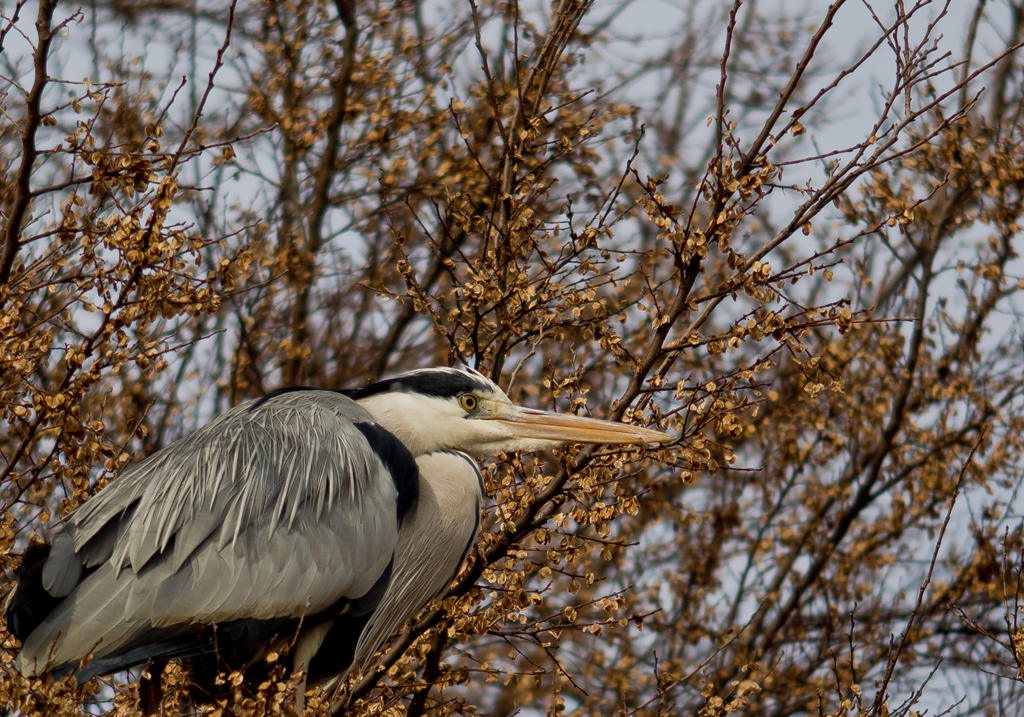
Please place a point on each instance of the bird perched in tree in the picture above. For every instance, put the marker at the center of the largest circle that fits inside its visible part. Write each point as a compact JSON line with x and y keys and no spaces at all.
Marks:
{"x":312,"y":519}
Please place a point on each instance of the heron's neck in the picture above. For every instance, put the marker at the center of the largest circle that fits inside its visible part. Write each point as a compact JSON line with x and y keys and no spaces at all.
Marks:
{"x":420,"y":422}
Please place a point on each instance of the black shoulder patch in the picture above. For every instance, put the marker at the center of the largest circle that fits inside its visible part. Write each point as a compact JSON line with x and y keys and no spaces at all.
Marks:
{"x":398,"y":461}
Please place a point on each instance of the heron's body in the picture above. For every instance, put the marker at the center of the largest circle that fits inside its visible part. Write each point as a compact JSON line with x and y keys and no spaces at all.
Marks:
{"x":311,"y":519}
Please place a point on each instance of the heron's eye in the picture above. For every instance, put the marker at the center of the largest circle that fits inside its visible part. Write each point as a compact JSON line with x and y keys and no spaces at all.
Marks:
{"x":468,"y":402}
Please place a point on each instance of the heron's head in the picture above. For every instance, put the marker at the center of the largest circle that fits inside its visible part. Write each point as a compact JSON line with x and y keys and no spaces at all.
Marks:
{"x":461,"y":409}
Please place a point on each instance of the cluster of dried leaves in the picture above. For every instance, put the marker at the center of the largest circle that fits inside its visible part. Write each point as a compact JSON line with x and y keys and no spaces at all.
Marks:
{"x":661,"y":225}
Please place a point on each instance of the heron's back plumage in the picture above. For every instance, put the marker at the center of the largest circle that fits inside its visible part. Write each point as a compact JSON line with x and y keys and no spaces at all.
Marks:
{"x":277,"y":510}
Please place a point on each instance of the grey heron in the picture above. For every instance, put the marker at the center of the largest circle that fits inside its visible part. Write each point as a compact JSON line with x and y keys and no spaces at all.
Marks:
{"x":316,"y":519}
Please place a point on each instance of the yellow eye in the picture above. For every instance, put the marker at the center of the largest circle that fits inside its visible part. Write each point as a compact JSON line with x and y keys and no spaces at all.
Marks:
{"x":468,"y":402}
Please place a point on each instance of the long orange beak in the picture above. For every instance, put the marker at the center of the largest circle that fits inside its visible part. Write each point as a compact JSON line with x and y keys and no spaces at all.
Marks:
{"x":529,"y":425}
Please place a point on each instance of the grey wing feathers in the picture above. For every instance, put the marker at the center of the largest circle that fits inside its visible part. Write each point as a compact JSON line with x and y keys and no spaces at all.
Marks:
{"x":433,"y":542}
{"x":275,"y":510}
